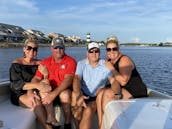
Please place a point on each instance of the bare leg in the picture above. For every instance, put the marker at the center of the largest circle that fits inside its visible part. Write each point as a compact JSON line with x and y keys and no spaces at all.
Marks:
{"x":38,"y":109}
{"x":99,"y":107}
{"x":108,"y":95}
{"x":65,"y":98}
{"x":87,"y":116}
{"x":126,"y":94}
{"x":77,"y":112}
{"x":40,"y":113}
{"x":51,"y":115}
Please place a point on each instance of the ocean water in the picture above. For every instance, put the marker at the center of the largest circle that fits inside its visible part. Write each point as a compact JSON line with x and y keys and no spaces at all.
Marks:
{"x":153,"y":63}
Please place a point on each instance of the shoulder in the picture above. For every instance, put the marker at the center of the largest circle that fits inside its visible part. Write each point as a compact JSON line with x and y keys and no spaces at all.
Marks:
{"x":83,"y":62}
{"x":126,"y":60}
{"x":37,"y":62}
{"x":18,"y":61}
{"x":46,"y":60}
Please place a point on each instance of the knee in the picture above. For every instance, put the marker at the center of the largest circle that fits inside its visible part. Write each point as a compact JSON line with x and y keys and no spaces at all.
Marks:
{"x":108,"y":94}
{"x":100,"y":95}
{"x":65,"y":96}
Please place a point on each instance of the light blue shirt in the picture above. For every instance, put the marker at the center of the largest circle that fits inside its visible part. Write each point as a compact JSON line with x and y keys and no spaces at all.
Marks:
{"x":93,"y":78}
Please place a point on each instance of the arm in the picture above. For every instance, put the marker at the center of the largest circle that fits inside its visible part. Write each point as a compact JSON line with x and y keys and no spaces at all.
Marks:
{"x":37,"y":83}
{"x":76,"y":90}
{"x":76,"y":85}
{"x":125,"y":69}
{"x":77,"y":97}
{"x":16,"y":79}
{"x":115,"y":86}
{"x":67,"y":82}
{"x":44,"y":71}
{"x":53,"y":94}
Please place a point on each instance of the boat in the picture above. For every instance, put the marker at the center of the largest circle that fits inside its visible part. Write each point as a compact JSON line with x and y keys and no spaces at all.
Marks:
{"x":153,"y":112}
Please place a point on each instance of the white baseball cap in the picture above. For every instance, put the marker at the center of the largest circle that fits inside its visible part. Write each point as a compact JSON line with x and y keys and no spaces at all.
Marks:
{"x":92,"y":45}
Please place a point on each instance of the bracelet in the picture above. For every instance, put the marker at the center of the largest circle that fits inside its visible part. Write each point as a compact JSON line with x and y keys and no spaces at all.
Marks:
{"x":119,"y":95}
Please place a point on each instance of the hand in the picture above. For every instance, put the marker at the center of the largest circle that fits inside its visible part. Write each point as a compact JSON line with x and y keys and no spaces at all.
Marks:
{"x":43,"y":87}
{"x":74,"y":98}
{"x":81,"y":102}
{"x":43,"y":69}
{"x":48,"y":98}
{"x":109,"y":65}
{"x":32,"y":98}
{"x":45,"y":81}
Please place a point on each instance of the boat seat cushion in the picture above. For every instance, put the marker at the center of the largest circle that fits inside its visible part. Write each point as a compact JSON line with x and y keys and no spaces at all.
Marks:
{"x":15,"y":117}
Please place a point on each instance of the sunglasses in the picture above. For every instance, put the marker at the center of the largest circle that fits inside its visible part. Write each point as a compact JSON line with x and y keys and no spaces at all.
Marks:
{"x":58,"y":47}
{"x":112,"y":49}
{"x":94,"y":51}
{"x":29,"y":48}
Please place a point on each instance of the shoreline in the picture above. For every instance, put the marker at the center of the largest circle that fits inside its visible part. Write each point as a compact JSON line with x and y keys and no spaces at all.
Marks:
{"x":18,"y":45}
{"x":69,"y":44}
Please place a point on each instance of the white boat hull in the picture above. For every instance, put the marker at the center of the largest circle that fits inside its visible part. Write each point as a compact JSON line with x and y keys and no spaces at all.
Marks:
{"x":138,"y":114}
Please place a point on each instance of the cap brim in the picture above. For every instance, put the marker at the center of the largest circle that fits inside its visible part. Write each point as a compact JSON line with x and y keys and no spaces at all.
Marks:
{"x":62,"y":46}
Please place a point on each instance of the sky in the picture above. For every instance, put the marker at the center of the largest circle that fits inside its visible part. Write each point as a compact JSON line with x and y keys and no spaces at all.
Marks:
{"x":143,"y":21}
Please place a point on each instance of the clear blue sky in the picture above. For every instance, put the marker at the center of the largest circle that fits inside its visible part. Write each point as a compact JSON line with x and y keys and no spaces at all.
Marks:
{"x":130,"y":20}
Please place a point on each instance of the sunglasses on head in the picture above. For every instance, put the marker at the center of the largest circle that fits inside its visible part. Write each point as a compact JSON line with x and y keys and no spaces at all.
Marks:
{"x":112,"y":49}
{"x":58,"y":47}
{"x":94,"y":51}
{"x":29,"y":48}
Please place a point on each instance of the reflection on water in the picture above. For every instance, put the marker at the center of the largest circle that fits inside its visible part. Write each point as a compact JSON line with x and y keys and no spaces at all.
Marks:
{"x":153,"y":63}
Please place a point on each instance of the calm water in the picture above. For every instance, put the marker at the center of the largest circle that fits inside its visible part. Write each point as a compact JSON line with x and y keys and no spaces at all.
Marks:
{"x":153,"y":63}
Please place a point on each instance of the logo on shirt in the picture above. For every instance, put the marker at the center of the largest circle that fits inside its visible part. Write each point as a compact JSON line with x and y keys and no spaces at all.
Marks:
{"x":62,"y":66}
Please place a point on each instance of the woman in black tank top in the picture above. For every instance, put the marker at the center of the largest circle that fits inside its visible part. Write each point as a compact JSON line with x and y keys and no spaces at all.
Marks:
{"x":125,"y":73}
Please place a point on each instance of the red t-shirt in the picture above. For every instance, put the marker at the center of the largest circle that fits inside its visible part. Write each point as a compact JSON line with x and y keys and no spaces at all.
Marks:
{"x":57,"y":70}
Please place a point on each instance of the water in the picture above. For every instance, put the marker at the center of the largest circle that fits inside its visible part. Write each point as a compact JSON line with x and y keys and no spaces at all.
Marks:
{"x":153,"y":63}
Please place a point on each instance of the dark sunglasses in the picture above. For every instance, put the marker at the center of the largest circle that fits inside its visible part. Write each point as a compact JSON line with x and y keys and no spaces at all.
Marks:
{"x":112,"y":49}
{"x":58,"y":47}
{"x":29,"y":48}
{"x":94,"y":51}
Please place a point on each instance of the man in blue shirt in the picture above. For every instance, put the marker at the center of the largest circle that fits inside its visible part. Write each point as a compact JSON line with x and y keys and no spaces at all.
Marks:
{"x":91,"y":77}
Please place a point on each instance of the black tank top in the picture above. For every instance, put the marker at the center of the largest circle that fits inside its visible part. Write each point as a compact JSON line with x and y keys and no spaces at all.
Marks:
{"x":135,"y":85}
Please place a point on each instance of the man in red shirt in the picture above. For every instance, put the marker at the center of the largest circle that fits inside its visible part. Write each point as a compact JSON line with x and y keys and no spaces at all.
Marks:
{"x":61,"y":69}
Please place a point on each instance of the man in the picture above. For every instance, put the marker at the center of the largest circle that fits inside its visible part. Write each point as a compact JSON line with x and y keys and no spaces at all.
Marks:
{"x":61,"y":69}
{"x":91,"y":76}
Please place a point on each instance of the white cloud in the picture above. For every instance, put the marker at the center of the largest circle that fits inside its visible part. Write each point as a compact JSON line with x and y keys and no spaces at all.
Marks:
{"x":128,"y":18}
{"x":169,"y":39}
{"x":135,"y":40}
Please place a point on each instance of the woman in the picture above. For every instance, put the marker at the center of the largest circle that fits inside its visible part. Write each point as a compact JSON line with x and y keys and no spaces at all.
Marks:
{"x":125,"y":73}
{"x":22,"y":71}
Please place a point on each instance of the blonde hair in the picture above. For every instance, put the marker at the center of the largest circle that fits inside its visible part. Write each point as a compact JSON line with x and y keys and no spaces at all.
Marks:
{"x":30,"y":39}
{"x":112,"y":39}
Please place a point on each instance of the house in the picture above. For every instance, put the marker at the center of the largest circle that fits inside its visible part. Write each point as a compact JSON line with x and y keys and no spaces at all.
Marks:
{"x":40,"y":36}
{"x":11,"y":33}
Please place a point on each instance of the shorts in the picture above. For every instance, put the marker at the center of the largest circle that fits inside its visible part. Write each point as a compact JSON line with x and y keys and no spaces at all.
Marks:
{"x":90,"y":99}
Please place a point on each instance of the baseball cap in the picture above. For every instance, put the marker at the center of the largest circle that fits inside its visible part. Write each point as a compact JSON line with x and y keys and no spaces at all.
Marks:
{"x":57,"y":42}
{"x":92,"y":45}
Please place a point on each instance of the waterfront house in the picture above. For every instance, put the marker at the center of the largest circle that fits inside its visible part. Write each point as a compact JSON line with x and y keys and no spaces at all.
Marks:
{"x":40,"y":36}
{"x":11,"y":33}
